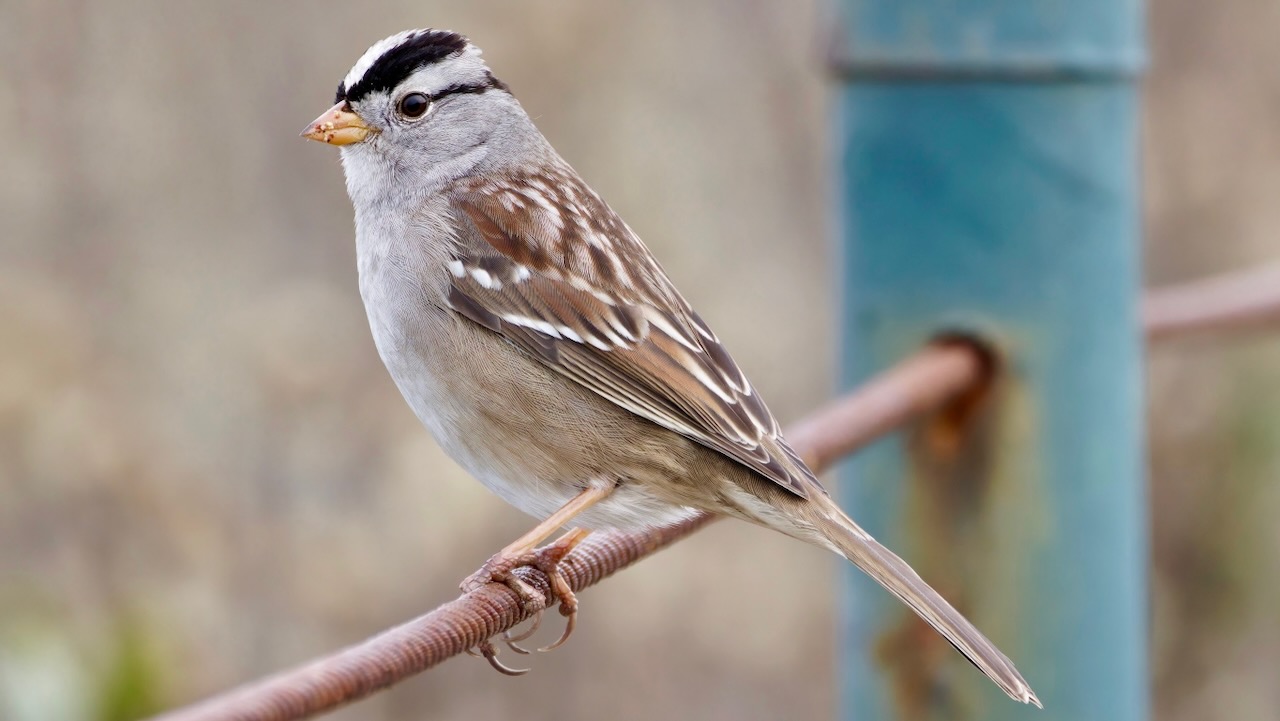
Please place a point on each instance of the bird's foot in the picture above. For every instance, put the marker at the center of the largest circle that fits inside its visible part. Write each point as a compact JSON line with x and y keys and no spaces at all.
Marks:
{"x":501,"y":569}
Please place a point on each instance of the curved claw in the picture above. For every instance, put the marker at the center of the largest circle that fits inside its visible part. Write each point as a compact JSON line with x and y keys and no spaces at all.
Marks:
{"x":568,"y":601}
{"x":512,"y":641}
{"x":533,"y":628}
{"x":568,"y":631}
{"x":516,"y":647}
{"x":491,"y":655}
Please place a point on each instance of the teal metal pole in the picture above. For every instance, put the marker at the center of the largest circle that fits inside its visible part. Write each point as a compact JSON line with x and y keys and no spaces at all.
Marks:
{"x":988,"y":152}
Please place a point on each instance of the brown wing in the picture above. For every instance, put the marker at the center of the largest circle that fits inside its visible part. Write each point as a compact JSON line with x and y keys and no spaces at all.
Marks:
{"x":546,"y":276}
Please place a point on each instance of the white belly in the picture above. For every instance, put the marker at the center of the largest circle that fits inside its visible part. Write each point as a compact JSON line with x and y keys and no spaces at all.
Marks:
{"x":430,"y":354}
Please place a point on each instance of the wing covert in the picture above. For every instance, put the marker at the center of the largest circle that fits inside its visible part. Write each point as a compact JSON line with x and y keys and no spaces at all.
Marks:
{"x":547,"y":276}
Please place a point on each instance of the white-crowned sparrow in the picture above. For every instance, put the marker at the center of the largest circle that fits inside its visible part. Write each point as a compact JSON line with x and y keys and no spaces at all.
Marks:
{"x":544,"y":347}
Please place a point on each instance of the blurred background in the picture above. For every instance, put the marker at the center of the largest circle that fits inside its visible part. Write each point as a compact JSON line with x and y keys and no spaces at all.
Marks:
{"x":206,"y":474}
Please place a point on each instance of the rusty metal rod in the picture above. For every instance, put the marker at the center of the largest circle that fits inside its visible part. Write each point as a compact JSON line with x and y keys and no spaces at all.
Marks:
{"x":919,"y":384}
{"x":915,"y":386}
{"x":1241,"y":300}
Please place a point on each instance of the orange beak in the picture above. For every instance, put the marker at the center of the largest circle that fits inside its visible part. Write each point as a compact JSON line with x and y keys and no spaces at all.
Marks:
{"x":338,"y":126}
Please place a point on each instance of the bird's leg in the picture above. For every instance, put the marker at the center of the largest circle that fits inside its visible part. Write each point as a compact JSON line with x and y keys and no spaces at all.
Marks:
{"x":521,"y":551}
{"x":524,"y":552}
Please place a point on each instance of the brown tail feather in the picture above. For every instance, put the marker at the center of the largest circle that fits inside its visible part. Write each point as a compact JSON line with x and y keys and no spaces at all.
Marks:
{"x":895,"y":575}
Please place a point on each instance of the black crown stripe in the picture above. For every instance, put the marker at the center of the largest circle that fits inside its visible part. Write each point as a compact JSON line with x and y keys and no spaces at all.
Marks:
{"x":391,"y":69}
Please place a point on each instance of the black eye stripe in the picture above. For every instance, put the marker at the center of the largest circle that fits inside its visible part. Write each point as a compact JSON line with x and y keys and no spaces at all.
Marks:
{"x":490,"y":83}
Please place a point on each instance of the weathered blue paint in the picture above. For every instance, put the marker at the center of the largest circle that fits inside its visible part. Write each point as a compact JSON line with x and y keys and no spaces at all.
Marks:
{"x":990,"y":184}
{"x":1003,"y":38}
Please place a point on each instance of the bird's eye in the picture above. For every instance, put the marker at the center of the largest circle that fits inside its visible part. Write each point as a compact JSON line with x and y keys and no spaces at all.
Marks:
{"x":414,"y":105}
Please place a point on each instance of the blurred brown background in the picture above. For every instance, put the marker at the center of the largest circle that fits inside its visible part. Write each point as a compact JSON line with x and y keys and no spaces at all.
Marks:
{"x":205,"y":473}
